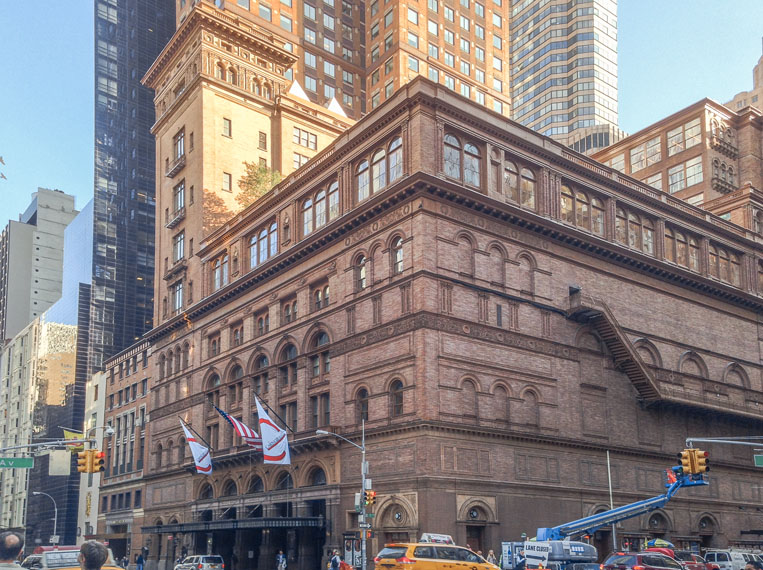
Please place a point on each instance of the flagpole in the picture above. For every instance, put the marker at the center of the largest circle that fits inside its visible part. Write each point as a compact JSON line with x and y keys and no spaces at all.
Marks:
{"x":274,"y":412}
{"x":195,"y":432}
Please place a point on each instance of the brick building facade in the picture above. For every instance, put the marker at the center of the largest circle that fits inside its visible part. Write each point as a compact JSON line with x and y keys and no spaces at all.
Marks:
{"x":430,"y":278}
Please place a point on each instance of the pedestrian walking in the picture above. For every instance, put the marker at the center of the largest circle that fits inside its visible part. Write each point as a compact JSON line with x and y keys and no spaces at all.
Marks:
{"x":280,"y":560}
{"x":139,"y":561}
{"x":491,"y":557}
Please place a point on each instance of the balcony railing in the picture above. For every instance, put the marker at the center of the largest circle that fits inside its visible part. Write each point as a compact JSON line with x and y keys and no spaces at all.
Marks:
{"x":724,"y":147}
{"x":722,"y":186}
{"x":175,"y":166}
{"x":175,"y":218}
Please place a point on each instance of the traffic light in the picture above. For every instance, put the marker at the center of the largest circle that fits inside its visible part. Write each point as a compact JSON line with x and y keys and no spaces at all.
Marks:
{"x":685,"y":460}
{"x":701,"y":460}
{"x":366,"y":498}
{"x":371,"y":497}
{"x":83,"y":461}
{"x":99,"y":458}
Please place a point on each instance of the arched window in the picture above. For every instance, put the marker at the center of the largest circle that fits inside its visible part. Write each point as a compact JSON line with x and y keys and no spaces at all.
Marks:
{"x":162,"y":366}
{"x":621,"y":226}
{"x":511,"y":181}
{"x":320,"y":209}
{"x":693,"y":254}
{"x":231,"y":76}
{"x":284,"y":481}
{"x":307,"y":217}
{"x":568,"y":205}
{"x":186,"y":355}
{"x":362,"y":405}
{"x":169,"y":363}
{"x":273,"y":238}
{"x":648,"y":235}
{"x":734,"y":270}
{"x":320,"y":360}
{"x":713,"y":261}
{"x":723,"y":265}
{"x":682,"y":250}
{"x":452,"y":157}
{"x":177,"y":359}
{"x":731,"y":175}
{"x":256,"y":485}
{"x":582,"y":211}
{"x":471,"y":165}
{"x":360,"y":273}
{"x":220,"y":272}
{"x":260,"y":378}
{"x":395,"y":159}
{"x":333,"y":201}
{"x":634,"y":231}
{"x":230,"y":489}
{"x":527,"y":194}
{"x":213,"y":390}
{"x":318,"y":477}
{"x":670,"y":246}
{"x":397,"y":255}
{"x":159,"y":456}
{"x":181,"y":450}
{"x":318,"y":299}
{"x":362,"y":179}
{"x":396,"y":398}
{"x":716,"y":168}
{"x":723,"y":171}
{"x":220,"y":71}
{"x":236,"y":373}
{"x":378,"y":171}
{"x":206,"y":492}
{"x":597,"y":216}
{"x":287,"y":370}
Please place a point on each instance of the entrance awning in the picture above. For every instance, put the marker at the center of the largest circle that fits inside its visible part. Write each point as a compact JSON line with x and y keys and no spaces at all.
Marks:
{"x":234,"y":524}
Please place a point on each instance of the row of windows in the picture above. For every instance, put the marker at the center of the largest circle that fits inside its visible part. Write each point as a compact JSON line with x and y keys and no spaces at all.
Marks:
{"x":638,"y":233}
{"x":122,"y":501}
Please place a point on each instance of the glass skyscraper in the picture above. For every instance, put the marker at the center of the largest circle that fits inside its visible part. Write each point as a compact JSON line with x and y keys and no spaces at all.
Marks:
{"x":129,"y":35}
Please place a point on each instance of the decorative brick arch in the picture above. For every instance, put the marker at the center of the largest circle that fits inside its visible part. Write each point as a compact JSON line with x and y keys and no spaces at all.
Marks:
{"x":389,"y":507}
{"x":251,"y":363}
{"x":736,"y":375}
{"x":690,"y":357}
{"x":657,"y":521}
{"x":480,"y":505}
{"x":315,"y":328}
{"x":646,"y":347}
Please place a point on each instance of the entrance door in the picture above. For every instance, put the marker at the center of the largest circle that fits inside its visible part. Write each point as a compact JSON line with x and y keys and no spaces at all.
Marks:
{"x":475,"y":536}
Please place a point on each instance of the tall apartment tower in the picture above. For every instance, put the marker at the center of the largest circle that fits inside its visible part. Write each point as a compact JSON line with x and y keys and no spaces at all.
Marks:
{"x":552,"y":68}
{"x":129,"y":34}
{"x":31,"y":260}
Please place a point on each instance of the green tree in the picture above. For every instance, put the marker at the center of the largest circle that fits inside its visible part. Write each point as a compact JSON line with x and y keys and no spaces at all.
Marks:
{"x":257,"y":182}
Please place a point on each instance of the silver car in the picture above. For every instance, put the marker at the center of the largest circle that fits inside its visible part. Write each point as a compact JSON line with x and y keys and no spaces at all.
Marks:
{"x":201,"y":562}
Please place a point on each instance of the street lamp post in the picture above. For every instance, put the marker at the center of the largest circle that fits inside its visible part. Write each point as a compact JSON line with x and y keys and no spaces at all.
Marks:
{"x":55,"y":512}
{"x":363,"y":468}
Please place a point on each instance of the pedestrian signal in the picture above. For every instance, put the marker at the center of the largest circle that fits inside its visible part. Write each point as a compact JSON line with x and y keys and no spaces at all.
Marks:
{"x":701,"y":460}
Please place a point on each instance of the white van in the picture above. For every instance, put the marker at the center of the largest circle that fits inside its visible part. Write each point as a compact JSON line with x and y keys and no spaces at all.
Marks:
{"x":728,"y":559}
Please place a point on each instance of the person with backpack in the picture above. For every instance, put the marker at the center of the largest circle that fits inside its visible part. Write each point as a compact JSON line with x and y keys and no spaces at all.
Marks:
{"x":335,"y":561}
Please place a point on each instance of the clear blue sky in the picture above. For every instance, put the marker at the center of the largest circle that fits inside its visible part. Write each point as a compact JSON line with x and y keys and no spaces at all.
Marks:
{"x":671,"y":54}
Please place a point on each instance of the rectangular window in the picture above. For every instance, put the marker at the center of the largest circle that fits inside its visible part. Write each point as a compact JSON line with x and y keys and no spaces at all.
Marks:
{"x":413,"y":40}
{"x":178,"y":242}
{"x":310,"y":35}
{"x":449,"y":15}
{"x":347,"y":77}
{"x":479,"y":75}
{"x":638,"y":158}
{"x":618,"y":162}
{"x":311,"y":84}
{"x":465,"y":45}
{"x":309,"y":11}
{"x":388,"y":42}
{"x":497,"y":63}
{"x":498,"y":85}
{"x":479,"y":9}
{"x":694,"y":171}
{"x":432,"y":5}
{"x":653,"y":151}
{"x":329,"y":91}
{"x":692,"y":133}
{"x":243,"y":3}
{"x":497,"y":22}
{"x":434,"y":75}
{"x":676,"y":178}
{"x":375,"y":31}
{"x":263,"y":141}
{"x":465,"y":23}
{"x":227,"y":182}
{"x":329,"y":68}
{"x":675,"y":141}
{"x":413,"y":63}
{"x":480,"y":97}
{"x":465,"y":90}
{"x":413,"y":17}
{"x":309,"y":59}
{"x":265,"y":12}
{"x":227,"y":129}
{"x":328,"y":22}
{"x":388,"y":18}
{"x":465,"y":67}
{"x":479,"y":31}
{"x":450,"y":37}
{"x":389,"y":65}
{"x":450,"y":59}
{"x":389,"y":88}
{"x":497,"y":106}
{"x":375,"y":54}
{"x":479,"y":53}
{"x":434,"y":51}
{"x":176,"y":297}
{"x":178,"y":196}
{"x":450,"y":83}
{"x":432,"y":27}
{"x":286,"y":23}
{"x":655,"y":181}
{"x":497,"y":42}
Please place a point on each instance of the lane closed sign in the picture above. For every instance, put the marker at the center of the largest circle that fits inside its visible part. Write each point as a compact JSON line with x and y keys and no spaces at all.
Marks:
{"x":536,"y":554}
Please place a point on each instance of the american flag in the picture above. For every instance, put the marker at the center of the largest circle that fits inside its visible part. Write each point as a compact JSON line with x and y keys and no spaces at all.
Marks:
{"x":249,"y":436}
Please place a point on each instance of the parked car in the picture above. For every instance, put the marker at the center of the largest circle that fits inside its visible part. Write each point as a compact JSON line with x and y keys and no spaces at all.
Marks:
{"x":728,"y":559}
{"x":64,"y":558}
{"x":201,"y":562}
{"x":640,"y":561}
{"x":429,"y":556}
{"x":692,"y":560}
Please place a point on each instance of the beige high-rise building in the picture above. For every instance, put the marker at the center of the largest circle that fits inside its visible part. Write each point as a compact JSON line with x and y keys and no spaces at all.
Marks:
{"x":552,"y":69}
{"x":222,"y":101}
{"x":754,"y":97}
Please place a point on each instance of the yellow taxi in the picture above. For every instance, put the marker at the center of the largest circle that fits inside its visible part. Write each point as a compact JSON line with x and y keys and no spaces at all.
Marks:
{"x":429,"y":556}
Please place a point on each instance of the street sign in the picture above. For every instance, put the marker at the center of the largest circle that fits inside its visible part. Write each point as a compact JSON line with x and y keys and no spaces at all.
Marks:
{"x":364,"y":525}
{"x":16,"y":462}
{"x":54,"y":539}
{"x":758,"y":460}
{"x":370,"y":515}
